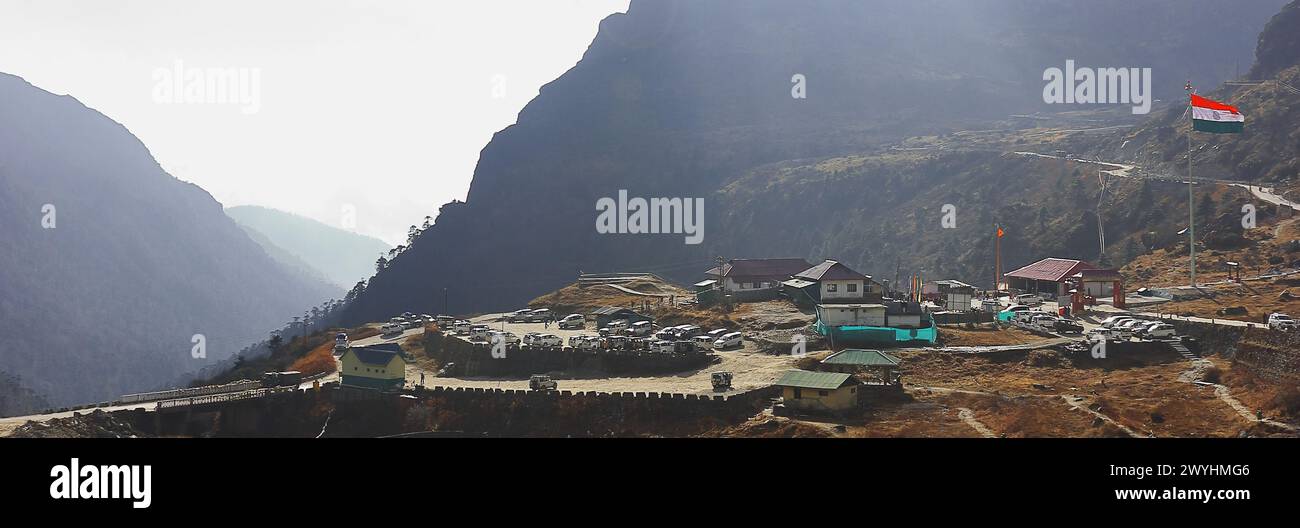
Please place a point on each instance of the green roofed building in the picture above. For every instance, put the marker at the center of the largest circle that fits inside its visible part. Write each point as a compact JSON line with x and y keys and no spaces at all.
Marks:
{"x":854,"y":360}
{"x":803,"y":390}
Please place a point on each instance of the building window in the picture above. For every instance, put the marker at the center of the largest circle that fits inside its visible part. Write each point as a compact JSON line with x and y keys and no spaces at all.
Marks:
{"x":798,"y":393}
{"x":853,"y":287}
{"x":832,"y":287}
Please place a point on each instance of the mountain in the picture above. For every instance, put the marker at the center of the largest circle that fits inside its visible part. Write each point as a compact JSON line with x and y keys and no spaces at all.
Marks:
{"x":111,"y":266}
{"x":1268,"y":149}
{"x":696,"y":99}
{"x":341,"y":257}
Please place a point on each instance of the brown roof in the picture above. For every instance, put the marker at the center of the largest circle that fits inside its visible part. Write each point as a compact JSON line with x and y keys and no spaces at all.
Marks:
{"x":1051,"y":269}
{"x":831,"y":270}
{"x":775,"y":268}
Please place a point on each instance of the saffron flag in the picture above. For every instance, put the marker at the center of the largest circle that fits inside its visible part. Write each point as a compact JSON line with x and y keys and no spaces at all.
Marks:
{"x":1217,"y":118}
{"x":1000,"y":232}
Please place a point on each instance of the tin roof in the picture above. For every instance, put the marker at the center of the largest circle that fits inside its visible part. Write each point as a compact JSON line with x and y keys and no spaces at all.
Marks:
{"x":377,"y":354}
{"x":813,"y":380}
{"x":1051,"y":269}
{"x":778,"y":268}
{"x":860,"y":357}
{"x":830,"y":270}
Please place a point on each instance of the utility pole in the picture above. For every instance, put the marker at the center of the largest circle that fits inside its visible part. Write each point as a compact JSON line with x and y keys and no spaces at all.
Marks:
{"x":722,"y":292}
{"x":445,"y":311}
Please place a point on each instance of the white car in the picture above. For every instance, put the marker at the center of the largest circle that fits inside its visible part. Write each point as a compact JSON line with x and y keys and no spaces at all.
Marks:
{"x":1281,"y":321}
{"x":509,"y":337}
{"x":703,"y":342}
{"x":1029,"y":299}
{"x":461,"y":327}
{"x":479,"y":333}
{"x":391,"y":328}
{"x":990,"y":305}
{"x":662,"y":347}
{"x":1047,"y":321}
{"x":573,"y":321}
{"x":715,"y":334}
{"x":549,"y":340}
{"x":727,"y":341}
{"x":640,"y":328}
{"x":1113,"y":320}
{"x":1160,"y":331}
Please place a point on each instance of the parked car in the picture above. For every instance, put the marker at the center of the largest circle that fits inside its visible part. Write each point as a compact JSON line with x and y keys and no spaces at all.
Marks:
{"x":462,"y":327}
{"x":1113,"y":320}
{"x":704,"y":342}
{"x":509,"y":337}
{"x":1281,"y":321}
{"x":640,"y":328}
{"x":715,"y":334}
{"x":391,"y":328}
{"x":540,"y":382}
{"x":689,"y":332}
{"x":1160,"y":331}
{"x":990,"y":305}
{"x":413,"y":323}
{"x":540,"y":315}
{"x":518,"y":316}
{"x":531,"y":338}
{"x":573,"y":321}
{"x":1046,"y":321}
{"x":1067,"y":326}
{"x":341,"y":341}
{"x":617,"y":326}
{"x":1029,"y":299}
{"x":549,"y":340}
{"x":445,"y":320}
{"x":727,"y":341}
{"x":479,"y":332}
{"x":662,"y":347}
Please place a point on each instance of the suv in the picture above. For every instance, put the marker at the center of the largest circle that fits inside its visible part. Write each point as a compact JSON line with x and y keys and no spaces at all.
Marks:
{"x":573,"y":321}
{"x":540,"y":315}
{"x":518,"y":316}
{"x":540,"y":382}
{"x":727,"y":341}
{"x":639,"y":328}
{"x":1281,"y":321}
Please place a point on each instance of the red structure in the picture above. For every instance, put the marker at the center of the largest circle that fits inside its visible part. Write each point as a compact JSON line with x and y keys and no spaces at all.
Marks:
{"x":1089,"y":284}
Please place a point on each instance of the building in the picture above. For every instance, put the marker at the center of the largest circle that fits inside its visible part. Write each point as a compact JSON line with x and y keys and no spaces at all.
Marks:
{"x":608,"y":314}
{"x":802,"y":390}
{"x":380,"y":367}
{"x":882,"y":366}
{"x":953,"y":295}
{"x":750,"y":277}
{"x":891,"y":321}
{"x":1046,"y":276}
{"x":851,"y":314}
{"x":1088,"y":286}
{"x":832,"y":282}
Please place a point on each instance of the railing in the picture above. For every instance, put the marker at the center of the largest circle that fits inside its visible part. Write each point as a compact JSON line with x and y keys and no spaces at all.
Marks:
{"x":238,"y":386}
{"x":218,"y":398}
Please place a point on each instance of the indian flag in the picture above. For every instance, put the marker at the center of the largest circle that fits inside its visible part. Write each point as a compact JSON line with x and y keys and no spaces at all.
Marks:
{"x":1215,"y":117}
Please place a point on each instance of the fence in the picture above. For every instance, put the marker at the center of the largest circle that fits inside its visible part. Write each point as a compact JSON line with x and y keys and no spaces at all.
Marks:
{"x":224,"y":397}
{"x":238,"y":386}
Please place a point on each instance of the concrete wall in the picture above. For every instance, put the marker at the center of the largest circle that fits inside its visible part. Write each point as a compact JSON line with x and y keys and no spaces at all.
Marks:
{"x":476,"y":360}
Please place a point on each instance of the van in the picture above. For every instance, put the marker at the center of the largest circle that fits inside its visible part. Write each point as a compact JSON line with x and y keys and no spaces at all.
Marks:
{"x":689,"y":332}
{"x":617,"y":326}
{"x":461,"y":327}
{"x":478,"y":332}
{"x":573,"y":321}
{"x":727,"y":341}
{"x":639,"y":328}
{"x":662,"y":347}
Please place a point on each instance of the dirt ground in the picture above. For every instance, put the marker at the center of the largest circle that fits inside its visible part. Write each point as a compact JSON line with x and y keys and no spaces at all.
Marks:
{"x":984,"y":335}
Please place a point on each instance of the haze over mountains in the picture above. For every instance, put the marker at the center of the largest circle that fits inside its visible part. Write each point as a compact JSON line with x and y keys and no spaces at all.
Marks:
{"x":341,"y":257}
{"x":111,"y":266}
{"x":693,"y":99}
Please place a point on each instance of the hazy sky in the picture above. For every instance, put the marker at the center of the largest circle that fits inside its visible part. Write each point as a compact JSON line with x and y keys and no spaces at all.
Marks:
{"x":378,"y":107}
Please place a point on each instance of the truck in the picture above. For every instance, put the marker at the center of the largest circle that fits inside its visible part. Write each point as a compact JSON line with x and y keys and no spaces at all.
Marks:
{"x":540,"y":382}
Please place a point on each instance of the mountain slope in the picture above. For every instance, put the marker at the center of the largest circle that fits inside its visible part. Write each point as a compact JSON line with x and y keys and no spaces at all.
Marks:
{"x":1268,"y":149}
{"x":678,"y":99}
{"x":341,"y":256}
{"x":136,"y":263}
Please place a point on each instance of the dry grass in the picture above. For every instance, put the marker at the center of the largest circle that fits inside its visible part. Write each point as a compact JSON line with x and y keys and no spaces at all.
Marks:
{"x":318,"y":360}
{"x":984,"y":335}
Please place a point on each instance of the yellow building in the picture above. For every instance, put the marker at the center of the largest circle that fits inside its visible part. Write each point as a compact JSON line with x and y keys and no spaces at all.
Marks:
{"x":802,"y":390}
{"x":381,"y":367}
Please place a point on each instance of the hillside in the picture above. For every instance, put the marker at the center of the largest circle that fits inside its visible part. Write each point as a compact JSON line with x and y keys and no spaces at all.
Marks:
{"x":341,"y":257}
{"x":684,"y":99}
{"x":1267,"y":151}
{"x":111,"y":266}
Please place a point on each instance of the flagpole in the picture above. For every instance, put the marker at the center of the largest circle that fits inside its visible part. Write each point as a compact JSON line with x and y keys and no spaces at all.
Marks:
{"x":1191,"y":195}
